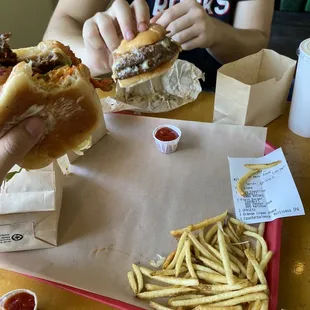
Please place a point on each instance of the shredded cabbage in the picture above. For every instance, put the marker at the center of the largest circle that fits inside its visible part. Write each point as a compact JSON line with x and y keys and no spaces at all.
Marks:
{"x":83,"y":147}
{"x":11,"y":174}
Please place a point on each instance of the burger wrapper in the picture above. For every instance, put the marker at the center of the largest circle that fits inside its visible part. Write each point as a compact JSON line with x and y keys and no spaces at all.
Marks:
{"x":179,"y":86}
{"x":30,"y":204}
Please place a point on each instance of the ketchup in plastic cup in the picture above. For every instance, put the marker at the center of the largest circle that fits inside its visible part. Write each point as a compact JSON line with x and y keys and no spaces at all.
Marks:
{"x":19,"y":300}
{"x":167,"y":138}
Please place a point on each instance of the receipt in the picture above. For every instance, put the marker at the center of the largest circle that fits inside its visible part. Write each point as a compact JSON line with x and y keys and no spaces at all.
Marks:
{"x":270,"y":194}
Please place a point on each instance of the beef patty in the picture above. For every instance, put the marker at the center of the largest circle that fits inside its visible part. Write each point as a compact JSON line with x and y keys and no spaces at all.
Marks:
{"x":144,"y":59}
{"x":40,"y":64}
{"x":7,"y":57}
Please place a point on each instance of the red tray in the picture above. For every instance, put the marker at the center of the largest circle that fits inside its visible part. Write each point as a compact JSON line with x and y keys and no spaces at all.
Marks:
{"x":272,"y":236}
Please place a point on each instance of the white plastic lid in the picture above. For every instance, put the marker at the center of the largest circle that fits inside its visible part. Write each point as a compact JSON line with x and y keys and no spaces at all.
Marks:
{"x":304,"y":48}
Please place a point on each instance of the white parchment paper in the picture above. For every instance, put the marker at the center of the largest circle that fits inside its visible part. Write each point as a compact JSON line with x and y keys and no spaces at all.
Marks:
{"x":124,"y":197}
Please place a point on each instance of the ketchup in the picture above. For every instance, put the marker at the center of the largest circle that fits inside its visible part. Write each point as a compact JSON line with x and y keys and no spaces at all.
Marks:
{"x":166,"y":134}
{"x":20,"y":301}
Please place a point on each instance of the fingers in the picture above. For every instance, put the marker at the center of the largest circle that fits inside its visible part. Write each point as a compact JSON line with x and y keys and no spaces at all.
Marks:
{"x":92,"y":36}
{"x":179,"y":25}
{"x":156,"y":17}
{"x":191,"y":44}
{"x":108,"y":31}
{"x":184,"y":36}
{"x":141,"y":13}
{"x":172,"y":14}
{"x":103,"y":32}
{"x":122,"y":12}
{"x":18,"y":142}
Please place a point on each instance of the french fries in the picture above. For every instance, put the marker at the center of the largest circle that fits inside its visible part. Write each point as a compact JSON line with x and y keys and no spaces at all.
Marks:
{"x":224,"y":254}
{"x":242,"y":300}
{"x":188,"y":259}
{"x":220,"y":268}
{"x":154,"y":287}
{"x":257,"y":305}
{"x":165,"y":293}
{"x":243,"y":180}
{"x":211,"y":232}
{"x":217,"y":308}
{"x":139,"y":277}
{"x":203,"y":224}
{"x":132,"y":282}
{"x":257,"y":268}
{"x":262,"y":166}
{"x":260,"y":239}
{"x":157,"y":306}
{"x":261,"y":231}
{"x":178,"y":251}
{"x":219,"y":297}
{"x":169,"y":259}
{"x":254,"y":169}
{"x":220,"y":288}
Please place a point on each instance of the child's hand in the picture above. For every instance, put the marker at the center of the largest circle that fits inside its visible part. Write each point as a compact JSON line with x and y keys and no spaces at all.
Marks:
{"x":189,"y":24}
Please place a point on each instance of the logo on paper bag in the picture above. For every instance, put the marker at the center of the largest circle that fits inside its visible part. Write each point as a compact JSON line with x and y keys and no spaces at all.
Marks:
{"x":17,"y":237}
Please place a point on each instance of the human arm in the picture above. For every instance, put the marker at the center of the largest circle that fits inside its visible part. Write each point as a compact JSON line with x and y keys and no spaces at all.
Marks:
{"x":93,"y":32}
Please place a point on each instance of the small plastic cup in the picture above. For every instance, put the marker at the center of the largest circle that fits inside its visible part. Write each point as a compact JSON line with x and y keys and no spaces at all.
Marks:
{"x":167,"y":147}
{"x":5,"y":297}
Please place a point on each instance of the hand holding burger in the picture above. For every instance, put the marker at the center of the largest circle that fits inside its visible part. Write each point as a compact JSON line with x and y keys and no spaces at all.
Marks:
{"x":103,"y":32}
{"x":49,"y":82}
{"x":189,"y":24}
{"x":151,"y":53}
{"x":16,"y":143}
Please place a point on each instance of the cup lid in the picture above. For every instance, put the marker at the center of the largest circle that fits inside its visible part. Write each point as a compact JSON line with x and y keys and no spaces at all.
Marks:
{"x":304,"y":47}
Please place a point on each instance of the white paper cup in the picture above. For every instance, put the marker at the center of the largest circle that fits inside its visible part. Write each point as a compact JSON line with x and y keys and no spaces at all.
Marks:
{"x":299,"y":119}
{"x":5,"y":297}
{"x":167,"y":147}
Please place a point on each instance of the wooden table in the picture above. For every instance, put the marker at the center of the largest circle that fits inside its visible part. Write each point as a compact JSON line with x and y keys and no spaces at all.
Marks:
{"x":295,"y":261}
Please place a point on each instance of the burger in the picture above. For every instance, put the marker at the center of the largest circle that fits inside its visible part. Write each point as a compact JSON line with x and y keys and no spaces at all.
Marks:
{"x":48,"y":81}
{"x":151,"y":53}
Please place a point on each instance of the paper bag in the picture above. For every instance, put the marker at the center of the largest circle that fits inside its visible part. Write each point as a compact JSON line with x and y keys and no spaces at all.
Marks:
{"x":253,"y":90}
{"x":30,"y":205}
{"x":65,"y":161}
{"x":179,"y":86}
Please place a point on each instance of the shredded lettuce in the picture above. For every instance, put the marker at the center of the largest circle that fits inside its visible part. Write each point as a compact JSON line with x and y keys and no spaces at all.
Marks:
{"x":83,"y":146}
{"x":11,"y":174}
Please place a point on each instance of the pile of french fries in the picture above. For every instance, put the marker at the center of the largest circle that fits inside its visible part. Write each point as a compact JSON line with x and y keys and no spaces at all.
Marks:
{"x":219,"y":263}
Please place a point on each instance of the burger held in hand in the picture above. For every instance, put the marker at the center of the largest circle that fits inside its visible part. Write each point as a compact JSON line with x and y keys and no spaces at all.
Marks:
{"x":49,"y":82}
{"x":150,"y":54}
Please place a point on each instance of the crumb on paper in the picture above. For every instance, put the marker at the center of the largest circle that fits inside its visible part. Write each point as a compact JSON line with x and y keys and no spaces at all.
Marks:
{"x":157,"y":263}
{"x":98,"y":251}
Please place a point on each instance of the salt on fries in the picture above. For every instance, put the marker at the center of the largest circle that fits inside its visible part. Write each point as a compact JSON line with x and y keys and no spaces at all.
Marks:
{"x":254,"y":169}
{"x":228,"y":275}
